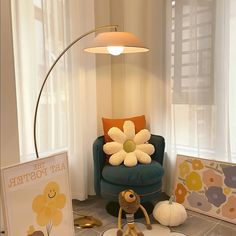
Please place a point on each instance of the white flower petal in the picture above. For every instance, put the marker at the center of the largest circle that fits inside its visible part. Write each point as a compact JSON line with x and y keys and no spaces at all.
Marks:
{"x":142,"y":157}
{"x":112,"y":147}
{"x":130,"y":159}
{"x":117,"y":158}
{"x":142,"y":136}
{"x":129,"y":129}
{"x":117,"y":135}
{"x":146,"y":147}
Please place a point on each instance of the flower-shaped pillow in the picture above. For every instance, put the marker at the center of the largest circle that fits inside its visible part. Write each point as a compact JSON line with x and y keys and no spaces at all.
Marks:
{"x":129,"y":147}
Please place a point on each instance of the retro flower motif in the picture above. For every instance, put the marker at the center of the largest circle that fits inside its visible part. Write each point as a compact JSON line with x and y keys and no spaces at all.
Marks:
{"x":48,"y":205}
{"x":129,"y":147}
{"x":193,"y":181}
{"x":184,"y":169}
{"x":197,"y":165}
{"x":229,"y":208}
{"x":215,"y":195}
{"x":210,"y":178}
{"x":230,"y":176}
{"x":180,"y":193}
{"x":197,"y":200}
{"x":227,"y":190}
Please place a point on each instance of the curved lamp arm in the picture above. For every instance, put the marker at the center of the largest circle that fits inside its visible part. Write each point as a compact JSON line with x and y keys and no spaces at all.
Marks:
{"x":51,"y":68}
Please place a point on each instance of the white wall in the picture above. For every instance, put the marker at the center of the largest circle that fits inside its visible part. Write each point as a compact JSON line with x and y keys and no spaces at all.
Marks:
{"x":9,"y":129}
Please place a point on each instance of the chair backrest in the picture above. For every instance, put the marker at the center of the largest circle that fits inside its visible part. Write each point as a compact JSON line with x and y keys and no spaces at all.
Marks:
{"x":159,"y":144}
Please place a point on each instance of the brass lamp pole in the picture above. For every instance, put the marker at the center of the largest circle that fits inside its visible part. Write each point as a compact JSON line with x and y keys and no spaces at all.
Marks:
{"x":49,"y":72}
{"x":113,"y":43}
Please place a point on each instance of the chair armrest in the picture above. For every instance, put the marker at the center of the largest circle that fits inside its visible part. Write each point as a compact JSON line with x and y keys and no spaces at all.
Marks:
{"x":99,"y":159}
{"x":159,"y":144}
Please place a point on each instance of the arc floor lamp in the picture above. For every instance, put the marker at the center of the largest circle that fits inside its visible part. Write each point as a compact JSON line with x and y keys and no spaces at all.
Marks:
{"x":114,"y":43}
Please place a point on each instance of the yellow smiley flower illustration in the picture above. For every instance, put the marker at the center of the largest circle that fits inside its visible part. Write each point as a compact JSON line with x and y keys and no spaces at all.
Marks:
{"x":48,"y":205}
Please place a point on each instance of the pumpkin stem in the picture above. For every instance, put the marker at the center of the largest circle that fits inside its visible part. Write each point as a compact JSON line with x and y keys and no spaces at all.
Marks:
{"x":171,"y":199}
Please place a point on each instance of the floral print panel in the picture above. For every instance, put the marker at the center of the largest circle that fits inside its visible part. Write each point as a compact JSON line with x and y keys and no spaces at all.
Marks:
{"x":206,"y":186}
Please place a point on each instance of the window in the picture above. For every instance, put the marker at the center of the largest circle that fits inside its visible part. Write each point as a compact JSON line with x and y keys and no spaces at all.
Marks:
{"x":202,"y":65}
{"x":192,"y":43}
{"x":39,"y":37}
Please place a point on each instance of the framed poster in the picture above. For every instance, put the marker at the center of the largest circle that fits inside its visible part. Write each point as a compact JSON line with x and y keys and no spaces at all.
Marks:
{"x":206,"y":186}
{"x":37,"y":198}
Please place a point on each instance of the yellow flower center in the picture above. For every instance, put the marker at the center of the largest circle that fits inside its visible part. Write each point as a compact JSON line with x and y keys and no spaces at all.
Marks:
{"x":129,"y":145}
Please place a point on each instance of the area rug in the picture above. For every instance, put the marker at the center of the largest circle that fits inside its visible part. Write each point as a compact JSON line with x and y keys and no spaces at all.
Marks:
{"x":157,"y":229}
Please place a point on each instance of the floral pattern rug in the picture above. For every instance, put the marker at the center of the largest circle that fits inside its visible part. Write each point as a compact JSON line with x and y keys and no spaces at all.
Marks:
{"x":206,"y":186}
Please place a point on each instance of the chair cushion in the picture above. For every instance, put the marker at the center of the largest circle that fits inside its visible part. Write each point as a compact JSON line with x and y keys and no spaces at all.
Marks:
{"x":139,"y":175}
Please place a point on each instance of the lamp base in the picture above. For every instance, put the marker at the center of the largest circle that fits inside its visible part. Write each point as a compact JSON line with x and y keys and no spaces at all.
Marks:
{"x":86,"y":222}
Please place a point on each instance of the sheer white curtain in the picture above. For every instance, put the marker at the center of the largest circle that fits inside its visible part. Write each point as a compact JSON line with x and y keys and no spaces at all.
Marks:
{"x":192,"y":105}
{"x":200,"y":67}
{"x":134,"y":84}
{"x":82,"y":100}
{"x":42,"y":29}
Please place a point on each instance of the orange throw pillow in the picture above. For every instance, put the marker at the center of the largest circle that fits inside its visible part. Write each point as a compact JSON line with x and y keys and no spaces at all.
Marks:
{"x":139,"y":122}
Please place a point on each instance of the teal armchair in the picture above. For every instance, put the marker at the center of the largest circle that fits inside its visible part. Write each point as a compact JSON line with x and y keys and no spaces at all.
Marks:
{"x":144,"y":179}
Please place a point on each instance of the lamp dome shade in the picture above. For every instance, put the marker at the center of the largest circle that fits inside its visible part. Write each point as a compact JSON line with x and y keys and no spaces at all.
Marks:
{"x":103,"y":42}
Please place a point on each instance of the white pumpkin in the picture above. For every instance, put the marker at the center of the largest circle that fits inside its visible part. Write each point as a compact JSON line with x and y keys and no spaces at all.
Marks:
{"x":169,"y":213}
